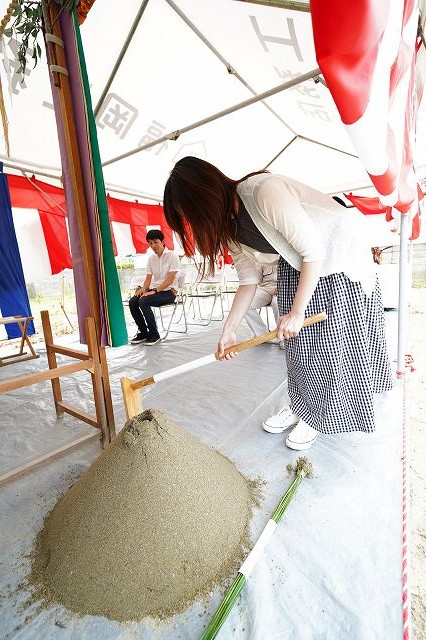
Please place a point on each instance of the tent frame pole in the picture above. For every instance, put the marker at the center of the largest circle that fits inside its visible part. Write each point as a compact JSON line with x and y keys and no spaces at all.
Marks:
{"x":404,"y":285}
{"x":299,"y":137}
{"x":121,"y":56}
{"x":17,"y":165}
{"x":225,"y":62}
{"x":292,"y":5}
{"x":239,"y":77}
{"x":174,"y":135}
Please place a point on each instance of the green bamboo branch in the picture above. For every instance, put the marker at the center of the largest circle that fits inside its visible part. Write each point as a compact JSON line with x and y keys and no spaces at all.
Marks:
{"x":302,"y":469}
{"x":26,"y":25}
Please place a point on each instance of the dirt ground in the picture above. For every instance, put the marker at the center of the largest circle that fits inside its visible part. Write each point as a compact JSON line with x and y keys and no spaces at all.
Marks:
{"x":416,"y":387}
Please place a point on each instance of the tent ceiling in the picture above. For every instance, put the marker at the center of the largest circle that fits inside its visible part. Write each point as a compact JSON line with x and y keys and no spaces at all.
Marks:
{"x":169,"y":78}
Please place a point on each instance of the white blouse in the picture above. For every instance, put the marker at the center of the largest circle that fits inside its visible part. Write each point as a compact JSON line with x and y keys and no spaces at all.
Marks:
{"x":303,"y":225}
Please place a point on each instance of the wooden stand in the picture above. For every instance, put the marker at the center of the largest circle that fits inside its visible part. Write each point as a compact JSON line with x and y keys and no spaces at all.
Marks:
{"x":56,"y":56}
{"x":21,"y":355}
{"x":91,"y":362}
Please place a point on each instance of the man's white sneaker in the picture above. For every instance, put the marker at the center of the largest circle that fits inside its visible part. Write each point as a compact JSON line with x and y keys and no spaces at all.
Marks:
{"x":301,"y":437}
{"x":281,"y":421}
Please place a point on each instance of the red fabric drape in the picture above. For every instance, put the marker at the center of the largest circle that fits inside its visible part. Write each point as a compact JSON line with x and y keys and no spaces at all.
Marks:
{"x":50,"y":202}
{"x":83,"y":9}
{"x":371,"y":206}
{"x":139,"y":216}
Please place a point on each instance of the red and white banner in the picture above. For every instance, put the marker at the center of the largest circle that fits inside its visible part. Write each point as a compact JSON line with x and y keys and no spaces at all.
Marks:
{"x":40,"y":220}
{"x":367,"y":53}
{"x":130,"y":222}
{"x":370,"y":206}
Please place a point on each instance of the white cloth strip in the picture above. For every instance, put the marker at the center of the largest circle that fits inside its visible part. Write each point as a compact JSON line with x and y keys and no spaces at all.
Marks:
{"x":200,"y":362}
{"x":12,"y":319}
{"x":58,"y":69}
{"x":49,"y":37}
{"x":248,"y":564}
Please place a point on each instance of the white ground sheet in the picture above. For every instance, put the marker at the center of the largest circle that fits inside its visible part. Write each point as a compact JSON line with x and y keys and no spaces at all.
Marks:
{"x":332,"y":570}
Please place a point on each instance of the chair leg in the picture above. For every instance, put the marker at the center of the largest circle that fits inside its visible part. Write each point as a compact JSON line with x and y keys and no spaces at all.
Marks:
{"x":170,"y":321}
{"x":160,"y":316}
{"x":207,"y":319}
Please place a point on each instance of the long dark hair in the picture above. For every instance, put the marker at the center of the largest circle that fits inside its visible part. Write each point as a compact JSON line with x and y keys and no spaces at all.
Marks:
{"x":199,"y":206}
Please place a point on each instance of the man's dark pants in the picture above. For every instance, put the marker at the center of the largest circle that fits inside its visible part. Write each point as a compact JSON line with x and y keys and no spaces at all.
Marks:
{"x":143,"y":315}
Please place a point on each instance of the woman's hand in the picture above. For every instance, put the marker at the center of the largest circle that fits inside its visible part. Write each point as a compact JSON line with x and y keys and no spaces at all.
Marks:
{"x":289,"y":325}
{"x":227,"y":339}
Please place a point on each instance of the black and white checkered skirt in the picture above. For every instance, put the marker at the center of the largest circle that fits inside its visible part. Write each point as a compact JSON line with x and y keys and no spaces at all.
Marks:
{"x":335,"y":367}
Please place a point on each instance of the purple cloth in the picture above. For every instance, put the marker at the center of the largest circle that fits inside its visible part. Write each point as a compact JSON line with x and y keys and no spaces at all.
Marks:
{"x":80,"y":119}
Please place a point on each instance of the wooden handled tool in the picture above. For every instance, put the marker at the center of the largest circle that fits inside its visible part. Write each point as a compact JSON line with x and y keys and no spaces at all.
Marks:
{"x":130,"y":388}
{"x":253,"y":342}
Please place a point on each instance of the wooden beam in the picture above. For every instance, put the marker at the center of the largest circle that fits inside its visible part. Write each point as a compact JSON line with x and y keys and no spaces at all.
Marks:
{"x":131,"y":397}
{"x":41,"y":376}
{"x":51,"y":360}
{"x":67,"y":351}
{"x":22,"y":323}
{"x":107,"y":394}
{"x":79,"y":413}
{"x":15,"y":358}
{"x":48,"y":456}
{"x":98,"y":391}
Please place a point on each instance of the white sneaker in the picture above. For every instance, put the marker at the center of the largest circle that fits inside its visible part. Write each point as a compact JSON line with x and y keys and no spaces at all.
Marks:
{"x":281,"y":421}
{"x":301,"y":437}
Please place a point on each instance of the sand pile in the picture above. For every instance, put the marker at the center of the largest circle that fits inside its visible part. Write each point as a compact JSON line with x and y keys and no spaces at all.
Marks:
{"x":155,"y":522}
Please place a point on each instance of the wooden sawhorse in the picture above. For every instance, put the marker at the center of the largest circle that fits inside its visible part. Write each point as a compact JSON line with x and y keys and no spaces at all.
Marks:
{"x":22,"y":323}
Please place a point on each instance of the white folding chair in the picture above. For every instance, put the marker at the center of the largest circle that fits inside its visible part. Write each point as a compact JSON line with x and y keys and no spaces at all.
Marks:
{"x":207,"y":289}
{"x":179,"y":302}
{"x":231,"y":284}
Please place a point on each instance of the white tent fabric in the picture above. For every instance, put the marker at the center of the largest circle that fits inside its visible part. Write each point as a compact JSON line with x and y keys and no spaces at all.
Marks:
{"x":170,"y":78}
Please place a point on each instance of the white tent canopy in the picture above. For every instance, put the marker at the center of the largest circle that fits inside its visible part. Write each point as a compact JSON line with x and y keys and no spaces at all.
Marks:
{"x":185,"y":63}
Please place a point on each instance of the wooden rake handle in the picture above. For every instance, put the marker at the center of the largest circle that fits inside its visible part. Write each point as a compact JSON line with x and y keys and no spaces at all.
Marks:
{"x":199,"y":362}
{"x":253,"y":342}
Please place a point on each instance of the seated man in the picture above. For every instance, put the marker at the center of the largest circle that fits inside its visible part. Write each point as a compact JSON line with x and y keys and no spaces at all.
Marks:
{"x":266,"y":294}
{"x":160,"y":287}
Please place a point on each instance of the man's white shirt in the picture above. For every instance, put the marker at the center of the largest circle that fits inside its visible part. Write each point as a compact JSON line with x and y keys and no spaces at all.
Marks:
{"x":160,"y":267}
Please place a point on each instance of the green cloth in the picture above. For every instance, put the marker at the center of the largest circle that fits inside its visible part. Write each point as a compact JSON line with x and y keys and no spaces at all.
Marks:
{"x":114,"y":305}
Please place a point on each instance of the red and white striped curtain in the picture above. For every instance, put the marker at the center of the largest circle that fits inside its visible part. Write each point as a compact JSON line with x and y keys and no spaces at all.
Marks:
{"x":367,"y":52}
{"x":40,"y":220}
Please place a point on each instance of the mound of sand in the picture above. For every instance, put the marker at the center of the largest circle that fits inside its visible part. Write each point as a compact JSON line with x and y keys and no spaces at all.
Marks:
{"x":154,"y":523}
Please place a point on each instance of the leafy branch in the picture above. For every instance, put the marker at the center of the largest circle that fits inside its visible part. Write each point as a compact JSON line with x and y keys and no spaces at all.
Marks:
{"x":26,"y":26}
